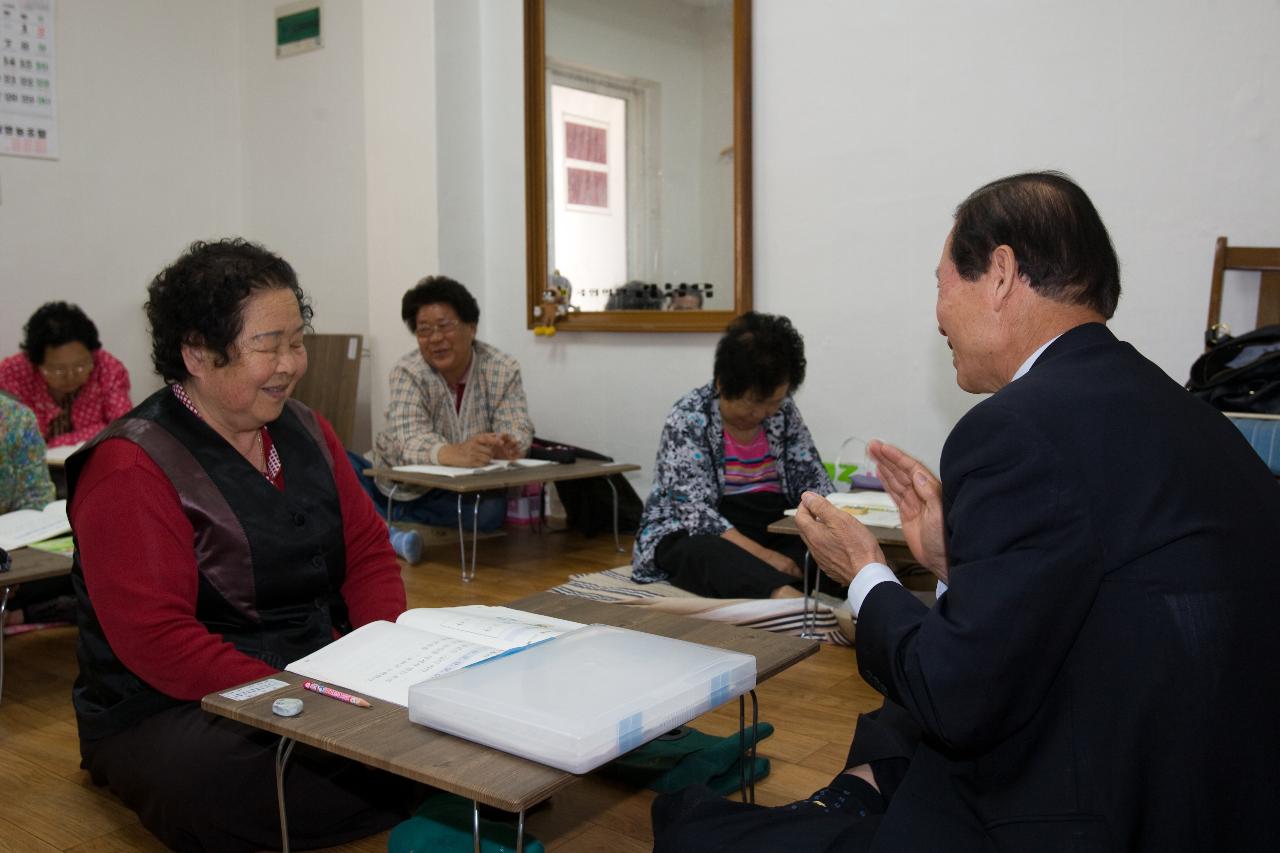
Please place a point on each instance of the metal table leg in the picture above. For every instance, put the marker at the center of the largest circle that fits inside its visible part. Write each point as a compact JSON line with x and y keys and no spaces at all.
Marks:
{"x":475,"y":532}
{"x":462,"y":537}
{"x":390,"y":496}
{"x":283,"y":751}
{"x":4,"y":607}
{"x":755,"y":740}
{"x":747,"y":761}
{"x":809,"y":629}
{"x":542,"y":507}
{"x":462,"y":540}
{"x":475,"y":829}
{"x":617,"y":543}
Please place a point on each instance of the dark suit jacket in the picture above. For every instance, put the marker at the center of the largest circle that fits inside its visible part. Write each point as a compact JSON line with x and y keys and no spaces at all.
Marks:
{"x":1102,"y":673}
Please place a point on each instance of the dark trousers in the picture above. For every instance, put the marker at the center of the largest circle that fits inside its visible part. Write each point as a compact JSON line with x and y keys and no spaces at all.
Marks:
{"x":697,"y":819}
{"x":201,"y":782}
{"x":714,"y":567}
{"x":39,"y":600}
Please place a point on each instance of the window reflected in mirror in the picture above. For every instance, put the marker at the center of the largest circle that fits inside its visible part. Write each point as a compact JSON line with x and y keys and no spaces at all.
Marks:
{"x":640,"y":173}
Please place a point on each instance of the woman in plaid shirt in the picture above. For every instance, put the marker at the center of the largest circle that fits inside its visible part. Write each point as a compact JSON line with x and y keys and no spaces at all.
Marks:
{"x":454,"y":401}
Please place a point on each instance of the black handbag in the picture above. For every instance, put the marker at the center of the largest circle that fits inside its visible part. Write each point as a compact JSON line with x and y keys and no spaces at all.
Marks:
{"x":1240,"y":374}
{"x":588,"y":504}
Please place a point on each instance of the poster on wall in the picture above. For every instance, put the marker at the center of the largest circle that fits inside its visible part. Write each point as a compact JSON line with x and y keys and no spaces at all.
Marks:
{"x":28,"y":117}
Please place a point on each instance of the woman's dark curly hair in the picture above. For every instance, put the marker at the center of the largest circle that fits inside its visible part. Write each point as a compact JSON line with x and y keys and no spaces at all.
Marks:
{"x":437,"y":290}
{"x":55,"y":324}
{"x":758,"y":353}
{"x":199,"y":300}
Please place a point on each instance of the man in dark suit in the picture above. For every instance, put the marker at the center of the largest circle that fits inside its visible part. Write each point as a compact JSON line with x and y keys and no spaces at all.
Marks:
{"x":1098,"y":673}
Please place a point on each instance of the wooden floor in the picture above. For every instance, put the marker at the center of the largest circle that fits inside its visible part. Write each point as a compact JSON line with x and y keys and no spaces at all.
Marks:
{"x":47,"y":803}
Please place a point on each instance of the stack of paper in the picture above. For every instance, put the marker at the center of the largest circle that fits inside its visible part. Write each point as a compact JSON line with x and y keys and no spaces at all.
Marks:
{"x":24,"y":526}
{"x":874,"y":509}
{"x":56,"y":457}
{"x":450,"y":471}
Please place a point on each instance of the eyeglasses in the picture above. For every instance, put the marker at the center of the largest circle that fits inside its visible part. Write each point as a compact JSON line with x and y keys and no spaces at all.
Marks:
{"x":274,"y":344}
{"x":444,"y":329}
{"x":63,"y":371}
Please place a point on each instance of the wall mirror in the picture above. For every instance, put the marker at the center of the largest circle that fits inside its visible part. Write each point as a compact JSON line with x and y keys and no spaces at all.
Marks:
{"x":638,"y":162}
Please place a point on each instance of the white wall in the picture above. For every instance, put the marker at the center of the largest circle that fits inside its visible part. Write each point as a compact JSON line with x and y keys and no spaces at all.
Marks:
{"x":1162,"y":111}
{"x":303,"y":177}
{"x":149,"y":124}
{"x":401,"y":196}
{"x":339,"y":174}
{"x":871,"y":122}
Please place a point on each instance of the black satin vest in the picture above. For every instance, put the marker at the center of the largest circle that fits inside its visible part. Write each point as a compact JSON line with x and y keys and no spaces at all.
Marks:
{"x":271,"y":563}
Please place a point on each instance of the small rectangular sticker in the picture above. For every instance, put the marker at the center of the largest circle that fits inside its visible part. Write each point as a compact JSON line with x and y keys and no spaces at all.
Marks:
{"x":257,"y":688}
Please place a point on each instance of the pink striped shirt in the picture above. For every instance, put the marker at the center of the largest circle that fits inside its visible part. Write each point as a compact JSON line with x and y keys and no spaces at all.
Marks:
{"x":749,"y":467}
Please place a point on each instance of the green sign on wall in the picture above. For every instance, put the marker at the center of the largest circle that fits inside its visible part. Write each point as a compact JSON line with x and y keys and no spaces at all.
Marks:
{"x":297,"y":28}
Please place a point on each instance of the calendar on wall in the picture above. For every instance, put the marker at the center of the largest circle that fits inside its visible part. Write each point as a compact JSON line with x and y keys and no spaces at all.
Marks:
{"x":28,"y":108}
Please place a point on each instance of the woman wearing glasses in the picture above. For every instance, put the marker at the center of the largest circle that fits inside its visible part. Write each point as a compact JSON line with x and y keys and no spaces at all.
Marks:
{"x":63,"y":374}
{"x":455,"y":401}
{"x":221,"y":534}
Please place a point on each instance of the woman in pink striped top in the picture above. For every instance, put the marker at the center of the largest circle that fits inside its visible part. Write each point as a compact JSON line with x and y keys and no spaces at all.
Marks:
{"x":734,"y":454}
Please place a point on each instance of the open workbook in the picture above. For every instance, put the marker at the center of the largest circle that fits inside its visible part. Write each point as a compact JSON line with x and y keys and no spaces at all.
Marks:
{"x":384,"y":659}
{"x":874,"y":509}
{"x":24,"y":526}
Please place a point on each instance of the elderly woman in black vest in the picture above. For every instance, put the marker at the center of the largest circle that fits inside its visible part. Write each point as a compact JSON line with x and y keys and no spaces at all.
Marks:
{"x":217,"y":541}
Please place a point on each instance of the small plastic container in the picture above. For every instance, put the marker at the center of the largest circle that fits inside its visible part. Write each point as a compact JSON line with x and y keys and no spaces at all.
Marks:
{"x":583,"y":698}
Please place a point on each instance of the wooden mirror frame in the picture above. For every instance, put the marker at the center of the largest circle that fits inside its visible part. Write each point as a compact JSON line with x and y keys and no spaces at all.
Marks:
{"x":535,"y":157}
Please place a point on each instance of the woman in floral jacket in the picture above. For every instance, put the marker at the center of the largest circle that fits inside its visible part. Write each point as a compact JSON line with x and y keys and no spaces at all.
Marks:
{"x":733,"y":455}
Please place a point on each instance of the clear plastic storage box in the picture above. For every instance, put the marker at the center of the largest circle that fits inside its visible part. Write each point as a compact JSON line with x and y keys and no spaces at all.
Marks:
{"x":583,"y":698}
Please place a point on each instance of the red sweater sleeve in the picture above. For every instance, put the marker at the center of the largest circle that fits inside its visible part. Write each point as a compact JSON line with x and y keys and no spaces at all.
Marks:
{"x":139,"y":566}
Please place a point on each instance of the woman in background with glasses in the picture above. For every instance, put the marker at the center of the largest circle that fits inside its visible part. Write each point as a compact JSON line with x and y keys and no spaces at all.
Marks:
{"x":63,"y":374}
{"x":455,"y":401}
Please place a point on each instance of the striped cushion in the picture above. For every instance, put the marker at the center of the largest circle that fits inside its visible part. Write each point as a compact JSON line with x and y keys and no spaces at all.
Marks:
{"x":780,"y":615}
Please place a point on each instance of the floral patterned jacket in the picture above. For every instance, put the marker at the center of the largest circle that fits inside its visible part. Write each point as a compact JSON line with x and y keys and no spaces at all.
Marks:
{"x":688,"y":475}
{"x":24,"y":476}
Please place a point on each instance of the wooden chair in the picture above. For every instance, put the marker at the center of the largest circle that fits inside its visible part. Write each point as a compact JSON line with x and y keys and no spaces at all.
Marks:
{"x":332,"y":380}
{"x":1262,"y":260}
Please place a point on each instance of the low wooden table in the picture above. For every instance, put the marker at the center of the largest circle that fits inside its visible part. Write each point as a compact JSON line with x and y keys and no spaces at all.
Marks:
{"x":581,"y":469}
{"x":383,"y":736}
{"x":29,"y":564}
{"x":884,"y":535}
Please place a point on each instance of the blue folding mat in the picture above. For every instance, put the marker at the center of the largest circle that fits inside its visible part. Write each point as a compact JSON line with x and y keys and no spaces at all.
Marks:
{"x":1263,"y":434}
